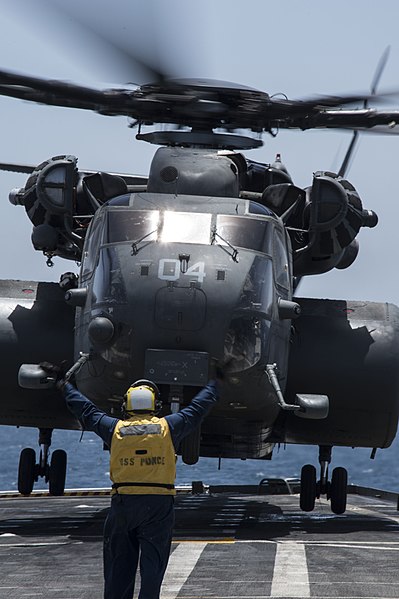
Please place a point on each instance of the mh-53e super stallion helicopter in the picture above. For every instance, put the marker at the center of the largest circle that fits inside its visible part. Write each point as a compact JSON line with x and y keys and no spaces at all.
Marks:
{"x":199,"y":261}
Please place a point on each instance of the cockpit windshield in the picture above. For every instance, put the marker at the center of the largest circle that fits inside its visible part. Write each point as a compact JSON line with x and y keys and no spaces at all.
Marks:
{"x":127,"y":225}
{"x":151,"y":225}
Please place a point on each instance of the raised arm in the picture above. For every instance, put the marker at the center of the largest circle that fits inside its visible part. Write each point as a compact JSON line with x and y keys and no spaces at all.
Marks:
{"x":90,"y":417}
{"x":185,"y":421}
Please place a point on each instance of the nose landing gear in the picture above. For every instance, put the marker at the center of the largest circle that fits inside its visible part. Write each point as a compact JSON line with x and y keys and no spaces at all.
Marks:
{"x":54,"y":473}
{"x":335,"y":490}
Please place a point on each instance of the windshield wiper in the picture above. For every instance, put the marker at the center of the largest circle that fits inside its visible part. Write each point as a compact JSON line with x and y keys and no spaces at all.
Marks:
{"x":135,"y":249}
{"x":232,"y":254}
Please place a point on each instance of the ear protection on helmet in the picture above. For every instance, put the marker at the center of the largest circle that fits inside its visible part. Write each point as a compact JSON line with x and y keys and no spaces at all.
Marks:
{"x":142,"y":396}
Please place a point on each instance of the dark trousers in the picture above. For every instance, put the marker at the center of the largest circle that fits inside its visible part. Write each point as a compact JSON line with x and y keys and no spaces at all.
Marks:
{"x":138,"y":529}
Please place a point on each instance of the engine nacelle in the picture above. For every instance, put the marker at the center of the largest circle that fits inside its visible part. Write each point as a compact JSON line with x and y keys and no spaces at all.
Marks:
{"x":60,"y":201}
{"x":324,"y":227}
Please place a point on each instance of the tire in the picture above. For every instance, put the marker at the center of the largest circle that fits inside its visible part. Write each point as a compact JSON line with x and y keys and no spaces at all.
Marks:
{"x":338,"y":490}
{"x":308,"y":491}
{"x":57,"y":472}
{"x":26,"y":471}
{"x":190,"y":447}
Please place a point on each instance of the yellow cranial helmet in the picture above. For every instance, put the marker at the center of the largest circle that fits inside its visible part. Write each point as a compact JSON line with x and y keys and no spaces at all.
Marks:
{"x":142,"y":396}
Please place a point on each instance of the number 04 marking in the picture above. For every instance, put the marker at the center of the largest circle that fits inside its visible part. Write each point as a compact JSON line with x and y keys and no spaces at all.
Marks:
{"x":169,"y":270}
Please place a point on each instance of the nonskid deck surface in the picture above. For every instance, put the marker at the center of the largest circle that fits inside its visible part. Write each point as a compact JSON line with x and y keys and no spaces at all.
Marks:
{"x":225,"y":546}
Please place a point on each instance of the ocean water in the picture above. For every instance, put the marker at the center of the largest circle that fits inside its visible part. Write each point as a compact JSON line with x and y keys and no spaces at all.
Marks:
{"x":88,"y":463}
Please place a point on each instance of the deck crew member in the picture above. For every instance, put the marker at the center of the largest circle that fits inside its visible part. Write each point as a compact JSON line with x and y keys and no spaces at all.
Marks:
{"x":143,"y":469}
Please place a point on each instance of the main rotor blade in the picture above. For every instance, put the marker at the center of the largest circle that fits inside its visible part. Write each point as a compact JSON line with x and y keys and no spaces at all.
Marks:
{"x":55,"y":92}
{"x":379,"y":70}
{"x":349,"y":153}
{"x":363,"y":119}
{"x":16,"y":168}
{"x":373,"y":89}
{"x":202,"y":103}
{"x":125,"y":63}
{"x":113,"y":43}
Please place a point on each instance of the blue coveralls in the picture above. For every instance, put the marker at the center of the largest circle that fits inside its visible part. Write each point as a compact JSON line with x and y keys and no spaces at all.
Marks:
{"x":138,"y":525}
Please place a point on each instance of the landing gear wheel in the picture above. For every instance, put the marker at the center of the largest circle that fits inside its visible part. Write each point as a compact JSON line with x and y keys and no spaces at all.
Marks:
{"x":57,"y":472}
{"x":26,"y":471}
{"x":308,"y":491}
{"x":190,"y":447}
{"x":338,"y":490}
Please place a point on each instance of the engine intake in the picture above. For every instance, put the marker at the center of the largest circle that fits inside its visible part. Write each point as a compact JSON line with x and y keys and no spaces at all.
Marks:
{"x":323,"y":229}
{"x":60,"y":202}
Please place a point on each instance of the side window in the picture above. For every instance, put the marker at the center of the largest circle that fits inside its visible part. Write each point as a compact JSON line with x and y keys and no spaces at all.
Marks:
{"x":91,"y":246}
{"x":280,"y":259}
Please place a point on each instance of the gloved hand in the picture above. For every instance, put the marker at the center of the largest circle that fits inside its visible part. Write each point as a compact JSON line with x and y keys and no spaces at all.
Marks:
{"x":55,"y":372}
{"x":218,"y":371}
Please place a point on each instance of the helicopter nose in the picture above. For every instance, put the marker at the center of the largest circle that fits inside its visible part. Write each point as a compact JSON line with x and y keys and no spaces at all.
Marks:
{"x":180,"y":308}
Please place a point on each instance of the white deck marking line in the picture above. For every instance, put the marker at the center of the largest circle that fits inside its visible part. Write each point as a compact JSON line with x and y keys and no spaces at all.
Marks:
{"x":8,"y":545}
{"x":350,"y":545}
{"x":290,"y":575}
{"x":181,"y":563}
{"x":316,"y":543}
{"x":202,"y":596}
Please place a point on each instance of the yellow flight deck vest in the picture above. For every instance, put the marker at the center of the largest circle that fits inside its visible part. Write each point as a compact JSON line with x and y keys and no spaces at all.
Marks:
{"x":143,"y":460}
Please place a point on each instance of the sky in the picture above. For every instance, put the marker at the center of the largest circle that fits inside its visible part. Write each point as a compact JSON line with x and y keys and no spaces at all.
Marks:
{"x":291,"y":47}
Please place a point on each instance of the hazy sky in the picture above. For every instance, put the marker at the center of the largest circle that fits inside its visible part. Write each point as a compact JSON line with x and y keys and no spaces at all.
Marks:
{"x":299,"y":48}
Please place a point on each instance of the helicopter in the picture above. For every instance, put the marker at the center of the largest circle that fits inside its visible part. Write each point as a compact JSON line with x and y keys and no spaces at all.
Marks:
{"x":201,"y":260}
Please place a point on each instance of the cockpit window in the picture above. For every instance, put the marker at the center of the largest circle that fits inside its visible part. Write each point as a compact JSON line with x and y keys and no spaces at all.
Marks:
{"x":257,"y":292}
{"x":243,"y":343}
{"x":151,"y":225}
{"x":244,"y":232}
{"x":256,"y":208}
{"x":281,"y":268}
{"x":186,"y":227}
{"x":92,"y":242}
{"x":120,"y":200}
{"x":109,"y":285}
{"x":132,"y":225}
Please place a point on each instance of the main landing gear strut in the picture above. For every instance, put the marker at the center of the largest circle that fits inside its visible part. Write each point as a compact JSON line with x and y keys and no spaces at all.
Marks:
{"x":335,"y":490}
{"x":54,"y":472}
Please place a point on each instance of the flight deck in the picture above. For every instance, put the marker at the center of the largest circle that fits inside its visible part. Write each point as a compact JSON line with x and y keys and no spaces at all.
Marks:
{"x":229,"y":543}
